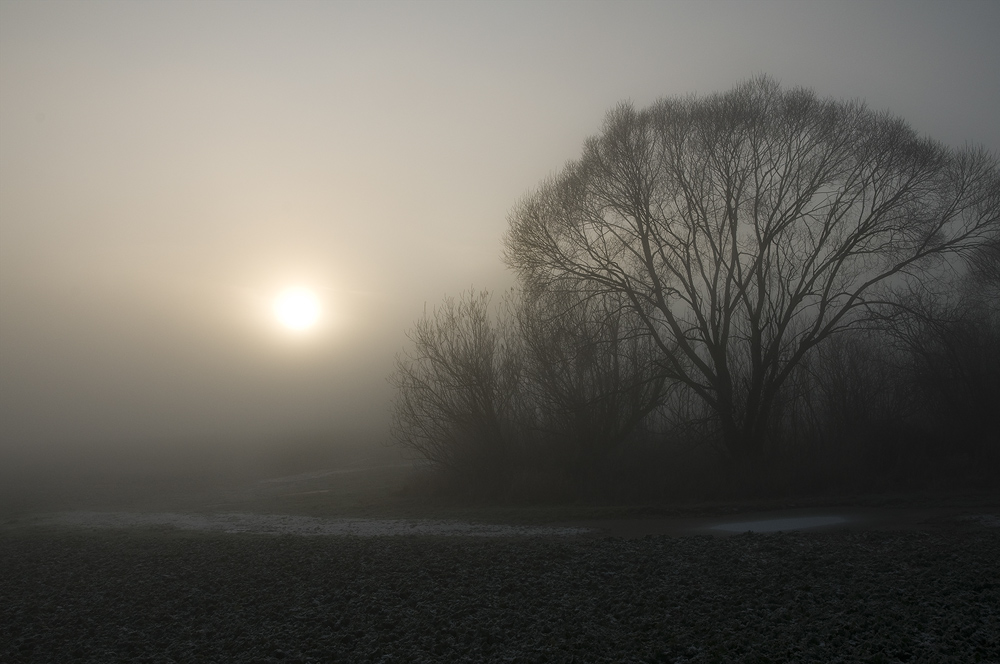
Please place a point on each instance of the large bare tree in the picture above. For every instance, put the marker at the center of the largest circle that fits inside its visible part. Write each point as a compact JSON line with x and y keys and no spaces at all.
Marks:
{"x":747,"y":227}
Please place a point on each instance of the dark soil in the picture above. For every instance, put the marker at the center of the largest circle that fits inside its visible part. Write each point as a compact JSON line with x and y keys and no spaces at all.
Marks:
{"x":166,"y":596}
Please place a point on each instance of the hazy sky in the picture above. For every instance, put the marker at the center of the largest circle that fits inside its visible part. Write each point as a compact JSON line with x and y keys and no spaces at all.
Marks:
{"x":166,"y":168}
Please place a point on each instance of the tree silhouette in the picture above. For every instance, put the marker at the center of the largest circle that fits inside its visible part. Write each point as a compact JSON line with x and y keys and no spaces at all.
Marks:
{"x":588,"y":382}
{"x":743,"y":229}
{"x":457,"y":389}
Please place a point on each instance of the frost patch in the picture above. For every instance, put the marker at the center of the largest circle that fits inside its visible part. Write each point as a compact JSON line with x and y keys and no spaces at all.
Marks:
{"x":279,"y":524}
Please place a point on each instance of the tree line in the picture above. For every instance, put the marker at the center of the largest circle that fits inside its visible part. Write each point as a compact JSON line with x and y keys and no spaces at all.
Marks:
{"x":757,"y":290}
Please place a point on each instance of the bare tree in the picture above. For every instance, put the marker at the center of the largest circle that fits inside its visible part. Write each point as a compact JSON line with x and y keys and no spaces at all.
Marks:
{"x":548,"y":383}
{"x":457,"y":389}
{"x":952,"y":343}
{"x":588,"y":378}
{"x":745,"y":228}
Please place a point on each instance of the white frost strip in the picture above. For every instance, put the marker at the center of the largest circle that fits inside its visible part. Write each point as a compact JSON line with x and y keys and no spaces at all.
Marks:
{"x":775,"y":525}
{"x":278,"y":524}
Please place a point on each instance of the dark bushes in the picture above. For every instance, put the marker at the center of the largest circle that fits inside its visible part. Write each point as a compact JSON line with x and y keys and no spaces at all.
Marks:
{"x":549,"y":400}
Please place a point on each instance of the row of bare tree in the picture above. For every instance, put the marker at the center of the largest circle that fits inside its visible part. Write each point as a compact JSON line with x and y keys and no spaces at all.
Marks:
{"x":755,"y":282}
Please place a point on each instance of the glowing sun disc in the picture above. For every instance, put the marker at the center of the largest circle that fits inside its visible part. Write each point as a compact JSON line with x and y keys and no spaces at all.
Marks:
{"x":297,"y":308}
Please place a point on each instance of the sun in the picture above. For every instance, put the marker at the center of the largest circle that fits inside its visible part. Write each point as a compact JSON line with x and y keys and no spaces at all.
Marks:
{"x":297,"y":309}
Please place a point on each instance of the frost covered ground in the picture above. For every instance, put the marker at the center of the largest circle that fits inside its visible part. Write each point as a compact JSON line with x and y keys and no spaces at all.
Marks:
{"x":282,"y":524}
{"x":221,"y":582}
{"x":168,"y":595}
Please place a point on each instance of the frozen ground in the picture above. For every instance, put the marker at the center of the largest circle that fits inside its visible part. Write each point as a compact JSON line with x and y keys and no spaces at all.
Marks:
{"x":151,"y":595}
{"x":282,"y":524}
{"x":365,"y":500}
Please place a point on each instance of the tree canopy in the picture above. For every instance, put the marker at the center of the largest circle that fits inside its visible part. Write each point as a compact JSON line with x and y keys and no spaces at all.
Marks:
{"x":743,"y":229}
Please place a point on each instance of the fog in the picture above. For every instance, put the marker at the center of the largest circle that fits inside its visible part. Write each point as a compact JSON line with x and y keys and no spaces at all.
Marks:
{"x":167,"y":168}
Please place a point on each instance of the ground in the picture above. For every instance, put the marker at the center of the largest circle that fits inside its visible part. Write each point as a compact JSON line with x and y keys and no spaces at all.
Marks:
{"x":886,"y":579}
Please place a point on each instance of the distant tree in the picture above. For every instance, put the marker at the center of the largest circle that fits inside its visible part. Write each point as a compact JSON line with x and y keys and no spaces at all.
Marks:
{"x":744,"y":229}
{"x":952,"y":343}
{"x":457,"y":390}
{"x":588,"y":379}
{"x":546,"y":385}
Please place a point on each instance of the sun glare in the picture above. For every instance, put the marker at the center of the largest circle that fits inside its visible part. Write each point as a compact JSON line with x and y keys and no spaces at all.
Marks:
{"x":297,"y":309}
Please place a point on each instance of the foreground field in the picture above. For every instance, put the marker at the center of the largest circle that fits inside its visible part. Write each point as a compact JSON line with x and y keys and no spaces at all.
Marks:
{"x":172,"y":596}
{"x":906,"y":578}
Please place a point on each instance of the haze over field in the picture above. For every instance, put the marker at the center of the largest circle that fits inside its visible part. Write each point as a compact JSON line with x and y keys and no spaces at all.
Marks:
{"x":167,"y":169}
